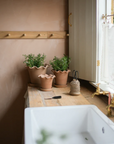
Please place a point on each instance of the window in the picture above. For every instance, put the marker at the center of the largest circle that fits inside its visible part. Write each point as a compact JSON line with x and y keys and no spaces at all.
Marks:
{"x":107,"y":52}
{"x":112,"y":11}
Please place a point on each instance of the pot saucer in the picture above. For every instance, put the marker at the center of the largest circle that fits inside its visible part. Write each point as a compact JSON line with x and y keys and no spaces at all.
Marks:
{"x":75,"y":94}
{"x":45,"y":89}
{"x":60,"y":86}
{"x":32,"y":85}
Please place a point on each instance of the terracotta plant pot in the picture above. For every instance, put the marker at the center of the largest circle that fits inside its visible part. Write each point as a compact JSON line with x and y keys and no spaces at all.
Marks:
{"x":61,"y":78}
{"x":34,"y":72}
{"x":46,"y":82}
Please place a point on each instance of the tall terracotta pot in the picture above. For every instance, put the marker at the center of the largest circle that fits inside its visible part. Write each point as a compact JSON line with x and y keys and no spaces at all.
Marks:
{"x":46,"y":82}
{"x":61,"y":78}
{"x":34,"y":72}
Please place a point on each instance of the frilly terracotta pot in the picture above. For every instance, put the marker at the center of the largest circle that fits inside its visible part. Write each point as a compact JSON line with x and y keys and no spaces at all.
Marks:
{"x":46,"y":82}
{"x":61,"y":78}
{"x":34,"y":72}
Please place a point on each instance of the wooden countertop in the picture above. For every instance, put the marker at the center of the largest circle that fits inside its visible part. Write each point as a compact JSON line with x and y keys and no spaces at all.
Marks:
{"x":36,"y":98}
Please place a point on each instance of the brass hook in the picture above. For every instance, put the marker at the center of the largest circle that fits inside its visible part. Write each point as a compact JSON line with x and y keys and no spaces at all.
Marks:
{"x":69,"y":19}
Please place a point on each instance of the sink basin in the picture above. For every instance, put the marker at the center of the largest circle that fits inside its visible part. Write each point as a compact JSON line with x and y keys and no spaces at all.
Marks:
{"x":84,"y":124}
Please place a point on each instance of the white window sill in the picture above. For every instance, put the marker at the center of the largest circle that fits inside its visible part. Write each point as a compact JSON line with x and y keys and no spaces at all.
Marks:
{"x":104,"y":87}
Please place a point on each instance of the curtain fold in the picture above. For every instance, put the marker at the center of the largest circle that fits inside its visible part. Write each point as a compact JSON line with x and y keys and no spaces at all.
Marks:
{"x":107,"y":57}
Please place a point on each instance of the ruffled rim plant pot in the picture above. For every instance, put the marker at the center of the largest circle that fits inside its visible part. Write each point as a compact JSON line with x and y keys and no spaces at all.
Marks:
{"x":34,"y":72}
{"x":61,"y":78}
{"x":46,"y":82}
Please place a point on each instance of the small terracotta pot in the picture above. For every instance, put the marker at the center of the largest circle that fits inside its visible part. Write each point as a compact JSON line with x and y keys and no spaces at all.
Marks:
{"x":34,"y":72}
{"x":61,"y":78}
{"x":46,"y":81}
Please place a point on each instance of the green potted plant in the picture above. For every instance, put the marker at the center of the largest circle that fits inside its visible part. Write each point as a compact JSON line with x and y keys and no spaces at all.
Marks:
{"x":60,"y":70}
{"x":35,"y":66}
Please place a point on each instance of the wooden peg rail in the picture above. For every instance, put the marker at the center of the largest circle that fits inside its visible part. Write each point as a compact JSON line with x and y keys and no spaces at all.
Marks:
{"x":33,"y":35}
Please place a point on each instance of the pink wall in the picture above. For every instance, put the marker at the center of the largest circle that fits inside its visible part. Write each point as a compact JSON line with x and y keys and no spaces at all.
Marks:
{"x":25,"y":15}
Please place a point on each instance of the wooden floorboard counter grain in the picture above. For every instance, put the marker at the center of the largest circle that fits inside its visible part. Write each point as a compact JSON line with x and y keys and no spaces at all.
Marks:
{"x":36,"y":98}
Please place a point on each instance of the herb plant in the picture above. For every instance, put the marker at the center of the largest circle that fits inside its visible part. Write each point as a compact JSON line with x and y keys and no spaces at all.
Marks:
{"x":60,"y":63}
{"x":32,"y":60}
{"x":46,"y":135}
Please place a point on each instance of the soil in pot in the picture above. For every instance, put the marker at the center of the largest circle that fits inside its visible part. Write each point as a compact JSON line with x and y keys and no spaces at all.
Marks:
{"x":61,"y":78}
{"x":46,"y":82}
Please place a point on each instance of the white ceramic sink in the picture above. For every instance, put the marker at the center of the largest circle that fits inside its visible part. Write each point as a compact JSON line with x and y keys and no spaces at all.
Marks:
{"x":84,"y":124}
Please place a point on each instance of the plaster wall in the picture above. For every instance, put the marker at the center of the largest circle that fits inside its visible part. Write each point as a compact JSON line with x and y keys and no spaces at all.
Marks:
{"x":25,"y":15}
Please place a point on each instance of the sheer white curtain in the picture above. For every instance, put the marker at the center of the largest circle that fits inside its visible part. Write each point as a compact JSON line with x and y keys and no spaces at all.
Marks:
{"x":107,"y":60}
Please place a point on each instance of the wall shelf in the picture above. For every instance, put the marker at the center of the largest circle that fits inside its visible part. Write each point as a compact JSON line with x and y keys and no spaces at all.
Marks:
{"x":33,"y":34}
